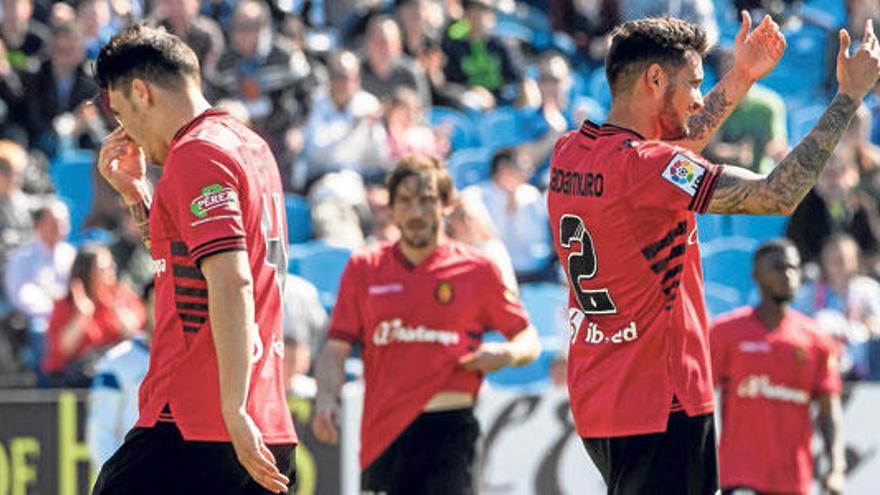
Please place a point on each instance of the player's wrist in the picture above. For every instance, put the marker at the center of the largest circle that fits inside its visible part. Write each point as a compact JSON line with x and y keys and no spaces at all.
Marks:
{"x":138,"y":193}
{"x":741,"y":73}
{"x":853,"y":94}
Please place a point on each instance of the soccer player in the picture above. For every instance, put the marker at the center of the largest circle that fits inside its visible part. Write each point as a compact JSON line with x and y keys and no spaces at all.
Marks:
{"x":622,"y":201}
{"x":212,"y":411}
{"x":419,"y":308}
{"x":771,"y":363}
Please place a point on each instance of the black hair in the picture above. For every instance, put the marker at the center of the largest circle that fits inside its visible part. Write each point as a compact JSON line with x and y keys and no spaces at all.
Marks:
{"x":779,"y":245}
{"x":418,"y":164}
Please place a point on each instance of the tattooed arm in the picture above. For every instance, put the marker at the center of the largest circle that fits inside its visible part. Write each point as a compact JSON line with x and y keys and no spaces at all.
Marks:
{"x":121,"y":162}
{"x":780,"y":192}
{"x":742,"y":191}
{"x":140,"y":215}
{"x":755,"y":55}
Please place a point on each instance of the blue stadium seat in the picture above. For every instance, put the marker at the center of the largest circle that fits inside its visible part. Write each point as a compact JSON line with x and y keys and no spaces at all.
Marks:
{"x":599,"y":89}
{"x":464,"y":132}
{"x":760,"y":229}
{"x":72,"y":174}
{"x":802,"y":121}
{"x":322,"y":265}
{"x":299,"y":218}
{"x":712,"y":227}
{"x":727,"y":272}
{"x":546,"y":304}
{"x":499,"y":128}
{"x":470,"y":166}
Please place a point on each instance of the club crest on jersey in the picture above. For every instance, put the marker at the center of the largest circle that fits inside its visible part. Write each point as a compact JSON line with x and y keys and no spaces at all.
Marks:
{"x":444,"y":293}
{"x":213,"y":196}
{"x":684,"y":173}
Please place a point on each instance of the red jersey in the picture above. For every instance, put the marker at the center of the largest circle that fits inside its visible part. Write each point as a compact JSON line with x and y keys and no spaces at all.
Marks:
{"x":414,"y":323}
{"x":768,"y":377}
{"x":100,"y":329}
{"x":621,"y":212}
{"x":219,"y":191}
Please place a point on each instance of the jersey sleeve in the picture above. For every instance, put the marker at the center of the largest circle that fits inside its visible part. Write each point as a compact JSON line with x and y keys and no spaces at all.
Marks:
{"x":671,"y":178}
{"x":206,"y":198}
{"x":502,"y":308}
{"x":346,"y":322}
{"x":828,"y":373}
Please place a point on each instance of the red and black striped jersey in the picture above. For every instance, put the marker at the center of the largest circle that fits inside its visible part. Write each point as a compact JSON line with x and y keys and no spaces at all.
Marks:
{"x":219,"y":191}
{"x":622,"y":214}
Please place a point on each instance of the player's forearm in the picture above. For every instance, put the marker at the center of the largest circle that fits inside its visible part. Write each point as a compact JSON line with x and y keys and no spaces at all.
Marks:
{"x":139,"y":209}
{"x":831,"y":427}
{"x":231,"y":311}
{"x":330,"y":370}
{"x":782,"y":190}
{"x":717,"y":106}
{"x":524,"y":347}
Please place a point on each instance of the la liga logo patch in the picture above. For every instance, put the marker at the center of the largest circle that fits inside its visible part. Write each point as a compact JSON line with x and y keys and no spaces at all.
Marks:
{"x":684,"y":173}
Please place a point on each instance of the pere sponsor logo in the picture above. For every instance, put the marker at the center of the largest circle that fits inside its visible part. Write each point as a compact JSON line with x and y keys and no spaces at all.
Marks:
{"x":213,"y":196}
{"x":594,"y":335}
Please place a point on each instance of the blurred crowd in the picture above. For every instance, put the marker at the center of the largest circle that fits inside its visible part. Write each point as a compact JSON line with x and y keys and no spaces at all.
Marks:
{"x":340,"y":89}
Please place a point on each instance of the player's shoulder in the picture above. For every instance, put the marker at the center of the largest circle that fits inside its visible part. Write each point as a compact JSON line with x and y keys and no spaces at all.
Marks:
{"x":733,"y":321}
{"x":372,"y":256}
{"x":808,"y":327}
{"x":467,"y":254}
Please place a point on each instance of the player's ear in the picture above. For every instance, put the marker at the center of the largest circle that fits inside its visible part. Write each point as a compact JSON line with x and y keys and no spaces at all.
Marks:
{"x":656,"y":78}
{"x":141,"y":92}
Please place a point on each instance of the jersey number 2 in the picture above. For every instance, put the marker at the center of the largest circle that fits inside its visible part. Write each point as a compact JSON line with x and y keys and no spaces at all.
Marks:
{"x":582,"y":265}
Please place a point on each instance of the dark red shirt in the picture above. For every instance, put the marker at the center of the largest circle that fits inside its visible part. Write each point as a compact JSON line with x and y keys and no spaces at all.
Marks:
{"x":622,"y":216}
{"x":220,"y":191}
{"x":768,"y":378}
{"x":414,"y":323}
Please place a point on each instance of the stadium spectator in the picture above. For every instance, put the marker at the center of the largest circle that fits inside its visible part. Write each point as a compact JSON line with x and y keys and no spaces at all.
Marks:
{"x":338,"y":202}
{"x":418,"y":307}
{"x":485,"y":66}
{"x":846,"y":304}
{"x":60,"y":91}
{"x":26,"y":39}
{"x":588,"y":22}
{"x":12,"y":90}
{"x":755,"y":135}
{"x":541,"y":127}
{"x":344,"y":130}
{"x":519,"y":214}
{"x":96,"y":21}
{"x":96,"y":313}
{"x":305,"y":328}
{"x":16,"y":207}
{"x":649,"y":282}
{"x":772,"y":363}
{"x":835,"y":205}
{"x":37,"y":273}
{"x":385,"y":68}
{"x":406,"y":132}
{"x":469,"y":222}
{"x":421,"y":23}
{"x":202,"y":34}
{"x":112,"y":403}
{"x":214,"y":230}
{"x":264,"y":71}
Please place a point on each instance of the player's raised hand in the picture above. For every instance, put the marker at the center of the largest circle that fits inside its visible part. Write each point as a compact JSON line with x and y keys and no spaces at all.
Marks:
{"x":121,"y":162}
{"x":756,"y":53}
{"x":858,"y":73}
{"x":253,"y":454}
{"x":325,"y":420}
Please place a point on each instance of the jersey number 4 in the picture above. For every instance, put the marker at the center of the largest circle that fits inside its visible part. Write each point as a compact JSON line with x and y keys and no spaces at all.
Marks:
{"x":272,"y":223}
{"x":582,"y":265}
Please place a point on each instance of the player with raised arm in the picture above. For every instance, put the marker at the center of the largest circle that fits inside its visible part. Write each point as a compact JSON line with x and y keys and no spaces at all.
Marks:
{"x":622,"y":200}
{"x":419,"y":307}
{"x":213,"y":415}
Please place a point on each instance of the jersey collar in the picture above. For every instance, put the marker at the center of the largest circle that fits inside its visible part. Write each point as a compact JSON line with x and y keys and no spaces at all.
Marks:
{"x":198,"y":118}
{"x":592,"y":129}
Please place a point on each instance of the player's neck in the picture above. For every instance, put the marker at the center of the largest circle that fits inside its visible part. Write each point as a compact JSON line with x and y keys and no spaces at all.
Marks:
{"x":771,"y":313}
{"x":416,"y":255}
{"x":626,"y":113}
{"x":181,"y":110}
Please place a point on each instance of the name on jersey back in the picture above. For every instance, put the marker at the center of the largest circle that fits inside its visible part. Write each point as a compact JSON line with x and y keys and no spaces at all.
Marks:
{"x":574,"y":183}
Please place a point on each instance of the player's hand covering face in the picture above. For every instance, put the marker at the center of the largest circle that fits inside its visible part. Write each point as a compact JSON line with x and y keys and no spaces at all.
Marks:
{"x":756,"y":53}
{"x":418,"y":210}
{"x":121,"y":162}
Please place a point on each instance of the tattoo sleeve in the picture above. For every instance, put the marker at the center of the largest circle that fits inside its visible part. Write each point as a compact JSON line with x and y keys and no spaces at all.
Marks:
{"x":140,"y":214}
{"x":703,"y":124}
{"x":779,"y":193}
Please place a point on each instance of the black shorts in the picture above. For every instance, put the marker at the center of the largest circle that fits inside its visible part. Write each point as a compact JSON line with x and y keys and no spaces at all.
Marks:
{"x":436,"y":454}
{"x":158,"y":460}
{"x":681,"y":461}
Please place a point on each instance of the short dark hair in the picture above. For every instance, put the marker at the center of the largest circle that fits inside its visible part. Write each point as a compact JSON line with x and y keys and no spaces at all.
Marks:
{"x":502,"y":156}
{"x":418,"y":164}
{"x":147,"y":53}
{"x":635,"y":45}
{"x":780,"y":245}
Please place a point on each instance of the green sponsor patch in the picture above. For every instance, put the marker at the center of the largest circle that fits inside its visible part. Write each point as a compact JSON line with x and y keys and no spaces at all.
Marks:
{"x":213,"y":196}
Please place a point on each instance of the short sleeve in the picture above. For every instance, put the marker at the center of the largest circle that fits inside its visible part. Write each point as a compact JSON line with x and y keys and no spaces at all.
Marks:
{"x":206,"y":194}
{"x":668,"y":177}
{"x":828,"y":372}
{"x":346,"y":322}
{"x":718,"y":353}
{"x":503,"y":310}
